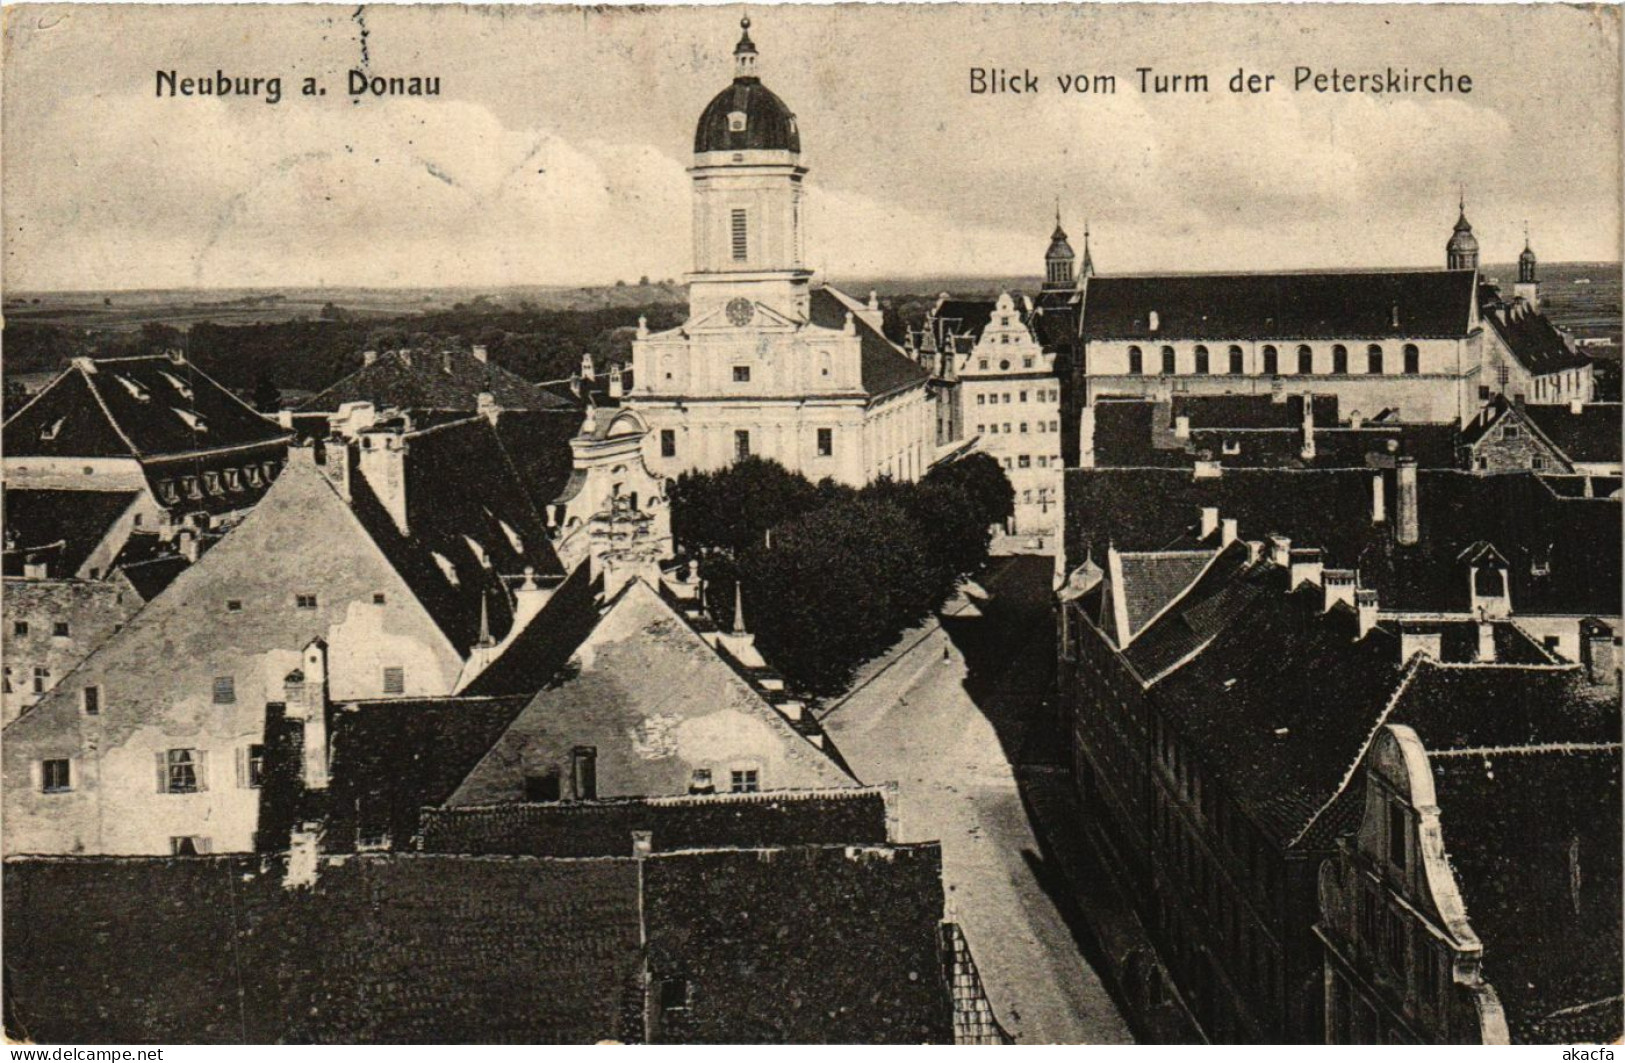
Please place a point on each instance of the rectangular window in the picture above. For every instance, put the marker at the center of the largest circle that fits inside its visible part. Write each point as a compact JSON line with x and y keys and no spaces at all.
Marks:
{"x":225,"y":690}
{"x":699,"y":782}
{"x":1023,"y":397}
{"x":741,"y":243}
{"x":19,"y":628}
{"x":42,"y":678}
{"x":394,"y":680}
{"x":60,"y":629}
{"x":234,"y":605}
{"x":584,"y":772}
{"x":92,"y":701}
{"x":745,"y":781}
{"x":1023,"y":461}
{"x":379,"y":598}
{"x":741,"y":374}
{"x":668,"y":443}
{"x":981,"y":400}
{"x":741,"y":444}
{"x":251,"y":767}
{"x":56,"y":776}
{"x":182,"y":771}
{"x":542,"y":787}
{"x":826,"y":442}
{"x":305,"y":601}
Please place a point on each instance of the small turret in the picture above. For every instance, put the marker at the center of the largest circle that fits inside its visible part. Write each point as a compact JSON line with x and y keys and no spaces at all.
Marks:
{"x":1462,"y":250}
{"x":1528,"y":286}
{"x":1058,"y":260}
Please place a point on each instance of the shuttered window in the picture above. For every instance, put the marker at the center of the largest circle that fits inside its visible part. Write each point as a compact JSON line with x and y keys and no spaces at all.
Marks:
{"x":182,"y":771}
{"x":395,"y":680}
{"x":741,"y":243}
{"x":225,"y":690}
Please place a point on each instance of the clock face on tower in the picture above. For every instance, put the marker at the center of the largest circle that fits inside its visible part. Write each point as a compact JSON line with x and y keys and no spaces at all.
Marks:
{"x":740,"y":311}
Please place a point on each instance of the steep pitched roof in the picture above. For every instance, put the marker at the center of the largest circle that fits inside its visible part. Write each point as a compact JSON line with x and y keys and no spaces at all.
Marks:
{"x":426,"y":380}
{"x":1280,"y":306}
{"x":145,"y":407}
{"x":1589,"y":436}
{"x":1153,"y":581}
{"x":885,"y":367}
{"x":545,"y":646}
{"x":1534,"y":839}
{"x":537,"y":443}
{"x":60,"y":528}
{"x":961,"y":317}
{"x":1533,"y":340}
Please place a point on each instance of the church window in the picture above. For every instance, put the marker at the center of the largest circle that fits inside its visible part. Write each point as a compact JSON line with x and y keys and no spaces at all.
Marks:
{"x":1413,"y":360}
{"x":1136,"y":361}
{"x":1306,"y":359}
{"x":1373,"y":359}
{"x":740,"y":242}
{"x":668,"y":443}
{"x":1272,"y":360}
{"x":826,"y":442}
{"x":1201,"y":359}
{"x":1235,"y":359}
{"x":1340,"y":359}
{"x":1168,"y":366}
{"x":741,"y":444}
{"x":741,"y":374}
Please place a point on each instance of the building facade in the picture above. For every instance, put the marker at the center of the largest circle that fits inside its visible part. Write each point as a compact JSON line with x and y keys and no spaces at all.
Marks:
{"x":767,"y":364}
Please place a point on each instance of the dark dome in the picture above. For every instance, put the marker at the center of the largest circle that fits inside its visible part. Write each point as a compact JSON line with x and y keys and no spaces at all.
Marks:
{"x":1058,"y":246}
{"x":769,"y":125}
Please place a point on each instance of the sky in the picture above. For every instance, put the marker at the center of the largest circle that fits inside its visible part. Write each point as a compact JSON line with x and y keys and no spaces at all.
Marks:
{"x":556,"y":153}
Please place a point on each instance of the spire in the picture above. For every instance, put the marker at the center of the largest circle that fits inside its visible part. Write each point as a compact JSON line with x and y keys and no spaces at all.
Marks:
{"x":485,"y":623}
{"x":1088,"y":260}
{"x":744,"y":52}
{"x":739,"y":608}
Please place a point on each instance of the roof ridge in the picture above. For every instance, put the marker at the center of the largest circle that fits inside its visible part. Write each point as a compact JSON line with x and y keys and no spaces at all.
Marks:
{"x":1533,"y":749}
{"x":135,"y":451}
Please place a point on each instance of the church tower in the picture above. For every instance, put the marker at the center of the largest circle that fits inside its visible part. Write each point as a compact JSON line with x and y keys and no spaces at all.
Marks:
{"x":747,"y":176}
{"x":1058,"y":259}
{"x":1528,"y":286}
{"x":1462,"y":250}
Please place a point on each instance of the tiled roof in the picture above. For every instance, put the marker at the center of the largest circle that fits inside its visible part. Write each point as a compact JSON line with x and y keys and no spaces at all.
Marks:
{"x":473,"y":528}
{"x":1534,"y":839}
{"x":60,"y":528}
{"x":146,"y":407}
{"x":1533,"y":340}
{"x":1590,"y":436}
{"x":1285,"y":306}
{"x":391,"y":759}
{"x":1151,"y":581}
{"x":1214,"y":601}
{"x":604,"y":828}
{"x":1467,"y":706}
{"x":1253,"y":411}
{"x":537,"y":443}
{"x":427,"y":380}
{"x":885,"y":367}
{"x":1564,"y":554}
{"x":961,"y":317}
{"x":545,"y":646}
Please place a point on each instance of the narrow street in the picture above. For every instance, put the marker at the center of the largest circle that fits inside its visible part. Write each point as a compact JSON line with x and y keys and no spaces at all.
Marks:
{"x":947,"y":731}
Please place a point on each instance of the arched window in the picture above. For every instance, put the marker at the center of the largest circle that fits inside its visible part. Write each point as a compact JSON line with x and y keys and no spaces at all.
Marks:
{"x":1136,"y":360}
{"x":1413,"y":360}
{"x":1168,"y":361}
{"x":1272,"y":360}
{"x":1235,"y":359}
{"x":1340,"y":360}
{"x":1306,"y":359}
{"x":1373,"y":359}
{"x":1201,"y":359}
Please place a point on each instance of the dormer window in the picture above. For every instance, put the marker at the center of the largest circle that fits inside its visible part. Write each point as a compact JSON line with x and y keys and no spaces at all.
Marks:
{"x":189,"y":487}
{"x":50,"y":432}
{"x":736,"y":122}
{"x":234,"y":481}
{"x":211,"y":482}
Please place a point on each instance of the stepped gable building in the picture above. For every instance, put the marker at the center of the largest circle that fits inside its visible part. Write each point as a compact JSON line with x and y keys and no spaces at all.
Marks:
{"x":154,"y":424}
{"x":1276,"y":431}
{"x":767,"y":363}
{"x":1582,"y":439}
{"x":1434,"y":544}
{"x":414,"y":558}
{"x":1220,"y":693}
{"x":797,"y":943}
{"x":1478,"y":899}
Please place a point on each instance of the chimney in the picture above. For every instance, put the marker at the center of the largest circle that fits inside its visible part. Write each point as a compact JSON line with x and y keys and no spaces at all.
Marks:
{"x":1209,"y":516}
{"x":305,"y":696}
{"x":186,"y":540}
{"x":481,"y":355}
{"x":353,"y":418}
{"x":1356,"y":419}
{"x":383,"y":466}
{"x":1306,"y":566}
{"x":1379,"y":501}
{"x":445,"y":362}
{"x":1307,"y":453}
{"x":1576,"y":406}
{"x":33,"y":569}
{"x":1485,"y":652}
{"x":1365,"y":607}
{"x":1408,"y":530}
{"x":1337,"y":585}
{"x":874,"y":299}
{"x":643,"y":844}
{"x":1393,"y":320}
{"x":587,"y":371}
{"x":304,"y":857}
{"x":1206,"y":469}
{"x":1597,"y":651}
{"x":368,"y":357}
{"x":1086,"y":437}
{"x":1280,"y":551}
{"x":1182,"y":426}
{"x":284,"y":418}
{"x":617,"y":383}
{"x":1413,"y":641}
{"x":1227,"y":531}
{"x":486,"y":406}
{"x":333,"y":459}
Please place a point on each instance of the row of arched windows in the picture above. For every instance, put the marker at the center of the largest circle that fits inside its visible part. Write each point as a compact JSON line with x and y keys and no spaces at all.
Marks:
{"x":1307,"y":364}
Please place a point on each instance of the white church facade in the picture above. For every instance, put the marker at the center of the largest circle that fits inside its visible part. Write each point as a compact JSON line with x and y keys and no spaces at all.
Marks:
{"x":768,"y":363}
